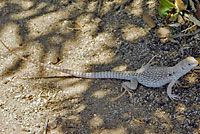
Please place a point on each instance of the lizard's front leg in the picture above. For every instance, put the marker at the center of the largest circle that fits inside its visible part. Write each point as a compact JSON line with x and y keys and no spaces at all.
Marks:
{"x":150,"y":62}
{"x":145,"y":66}
{"x":169,"y":91}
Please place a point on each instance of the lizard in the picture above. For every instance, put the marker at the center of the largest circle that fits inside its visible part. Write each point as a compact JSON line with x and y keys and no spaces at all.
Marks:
{"x":147,"y":75}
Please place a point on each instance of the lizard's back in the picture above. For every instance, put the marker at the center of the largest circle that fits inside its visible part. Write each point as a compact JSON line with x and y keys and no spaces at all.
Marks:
{"x":155,"y":76}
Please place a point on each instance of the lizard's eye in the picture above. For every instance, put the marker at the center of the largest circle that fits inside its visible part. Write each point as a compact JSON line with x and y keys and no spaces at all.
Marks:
{"x":189,"y":64}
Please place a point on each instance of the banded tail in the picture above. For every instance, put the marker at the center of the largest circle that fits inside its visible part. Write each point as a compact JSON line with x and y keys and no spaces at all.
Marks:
{"x":98,"y":75}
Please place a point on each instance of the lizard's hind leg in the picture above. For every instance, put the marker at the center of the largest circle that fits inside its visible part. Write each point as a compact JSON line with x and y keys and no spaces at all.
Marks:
{"x":128,"y":87}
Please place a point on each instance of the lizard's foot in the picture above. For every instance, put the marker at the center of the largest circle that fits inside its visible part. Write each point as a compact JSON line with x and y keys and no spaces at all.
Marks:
{"x":174,"y":97}
{"x":130,"y":92}
{"x":178,"y":84}
{"x":125,"y":90}
{"x":127,"y":87}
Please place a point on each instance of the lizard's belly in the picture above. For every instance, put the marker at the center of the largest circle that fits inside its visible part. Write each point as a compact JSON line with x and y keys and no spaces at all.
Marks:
{"x":153,"y":83}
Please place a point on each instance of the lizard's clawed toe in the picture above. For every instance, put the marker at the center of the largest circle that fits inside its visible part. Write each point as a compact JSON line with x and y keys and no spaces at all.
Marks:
{"x":174,"y":97}
{"x":125,"y":90}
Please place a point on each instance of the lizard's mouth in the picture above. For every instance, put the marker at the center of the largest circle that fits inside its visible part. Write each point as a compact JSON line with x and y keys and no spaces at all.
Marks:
{"x":197,"y":62}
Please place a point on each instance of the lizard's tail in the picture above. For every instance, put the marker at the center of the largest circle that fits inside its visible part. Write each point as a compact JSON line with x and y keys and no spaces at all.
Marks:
{"x":109,"y":74}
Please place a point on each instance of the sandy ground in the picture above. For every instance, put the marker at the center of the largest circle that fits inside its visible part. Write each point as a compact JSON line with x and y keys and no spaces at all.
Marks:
{"x":90,"y":36}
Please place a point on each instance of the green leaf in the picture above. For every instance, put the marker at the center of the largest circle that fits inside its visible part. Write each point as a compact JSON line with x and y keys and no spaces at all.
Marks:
{"x":164,"y":7}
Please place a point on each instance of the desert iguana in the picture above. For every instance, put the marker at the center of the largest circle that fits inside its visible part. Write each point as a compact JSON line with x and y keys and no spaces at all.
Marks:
{"x":147,"y":75}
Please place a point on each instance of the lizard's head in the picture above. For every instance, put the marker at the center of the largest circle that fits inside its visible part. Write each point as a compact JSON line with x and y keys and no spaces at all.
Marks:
{"x":188,"y":63}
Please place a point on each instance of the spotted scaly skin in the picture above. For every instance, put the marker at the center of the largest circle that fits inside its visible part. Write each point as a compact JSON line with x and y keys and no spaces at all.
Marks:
{"x":149,"y":76}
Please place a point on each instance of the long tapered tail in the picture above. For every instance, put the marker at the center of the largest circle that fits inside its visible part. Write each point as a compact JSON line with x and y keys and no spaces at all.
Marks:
{"x":109,"y":74}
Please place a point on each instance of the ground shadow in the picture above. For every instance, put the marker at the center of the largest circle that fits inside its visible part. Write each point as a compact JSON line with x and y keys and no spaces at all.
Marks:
{"x":148,"y":110}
